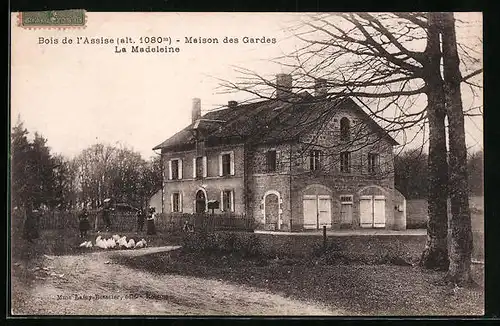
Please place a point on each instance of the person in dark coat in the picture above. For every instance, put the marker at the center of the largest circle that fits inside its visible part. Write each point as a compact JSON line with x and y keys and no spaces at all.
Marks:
{"x":151,"y":230}
{"x":84,"y":224}
{"x":106,"y":214}
{"x":141,"y":217}
{"x":31,"y":222}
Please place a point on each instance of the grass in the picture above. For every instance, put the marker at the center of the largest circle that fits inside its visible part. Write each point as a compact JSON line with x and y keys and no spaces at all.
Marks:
{"x":359,"y":288}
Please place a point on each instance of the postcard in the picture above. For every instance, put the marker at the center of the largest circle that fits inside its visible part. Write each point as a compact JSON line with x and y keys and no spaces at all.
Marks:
{"x":246,"y":164}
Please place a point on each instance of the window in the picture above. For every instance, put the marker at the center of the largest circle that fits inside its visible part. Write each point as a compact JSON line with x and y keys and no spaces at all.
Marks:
{"x":226,"y":164}
{"x":345,"y":129}
{"x":271,"y":161}
{"x":373,"y":162}
{"x":176,"y":202}
{"x":345,"y":162}
{"x":227,"y":201}
{"x":175,"y":169}
{"x":314,"y":159}
{"x":199,"y":167}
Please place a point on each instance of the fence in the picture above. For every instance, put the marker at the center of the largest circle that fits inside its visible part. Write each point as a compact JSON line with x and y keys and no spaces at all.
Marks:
{"x":173,"y":222}
{"x":125,"y":222}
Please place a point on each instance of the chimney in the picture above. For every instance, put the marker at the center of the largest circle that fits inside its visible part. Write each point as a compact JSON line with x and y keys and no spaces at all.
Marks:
{"x":283,"y":85}
{"x":320,"y":87}
{"x":232,"y":104}
{"x":196,"y":111}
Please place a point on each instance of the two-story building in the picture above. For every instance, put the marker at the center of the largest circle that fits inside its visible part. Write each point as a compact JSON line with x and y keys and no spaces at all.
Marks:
{"x":296,"y":161}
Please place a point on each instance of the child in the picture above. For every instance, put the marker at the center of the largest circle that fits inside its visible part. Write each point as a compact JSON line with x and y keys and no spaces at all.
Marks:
{"x":84,"y":222}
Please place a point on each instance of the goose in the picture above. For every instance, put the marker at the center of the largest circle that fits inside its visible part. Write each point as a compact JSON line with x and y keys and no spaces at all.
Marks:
{"x":116,"y":237}
{"x":139,"y":244}
{"x":144,"y":242}
{"x":131,"y":243}
{"x":122,"y":242}
{"x":89,"y":244}
{"x":83,"y":244}
{"x":101,"y":244}
{"x":110,"y":243}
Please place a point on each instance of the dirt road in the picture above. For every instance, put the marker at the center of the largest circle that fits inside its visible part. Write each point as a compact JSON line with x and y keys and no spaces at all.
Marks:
{"x":91,"y":284}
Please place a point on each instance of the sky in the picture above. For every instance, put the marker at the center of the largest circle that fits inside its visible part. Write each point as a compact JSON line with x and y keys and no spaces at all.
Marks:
{"x":79,"y":95}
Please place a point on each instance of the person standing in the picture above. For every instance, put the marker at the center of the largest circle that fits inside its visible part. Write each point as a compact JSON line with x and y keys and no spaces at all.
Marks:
{"x":31,"y":222}
{"x":84,"y":224}
{"x":141,"y":217}
{"x":151,"y":230}
{"x":106,"y":214}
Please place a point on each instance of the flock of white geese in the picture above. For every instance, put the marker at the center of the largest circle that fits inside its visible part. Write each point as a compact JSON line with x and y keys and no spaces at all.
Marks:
{"x":115,"y":242}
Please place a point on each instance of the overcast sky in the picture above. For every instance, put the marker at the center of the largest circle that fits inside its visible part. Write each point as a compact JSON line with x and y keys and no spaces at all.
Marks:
{"x":78,"y":95}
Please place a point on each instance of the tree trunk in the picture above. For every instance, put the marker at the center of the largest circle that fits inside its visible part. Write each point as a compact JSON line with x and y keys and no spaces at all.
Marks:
{"x":461,"y":231}
{"x":435,"y":254}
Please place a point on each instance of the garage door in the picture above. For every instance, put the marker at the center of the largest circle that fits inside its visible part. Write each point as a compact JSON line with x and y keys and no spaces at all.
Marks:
{"x":372,"y":211}
{"x":379,"y":211}
{"x":310,"y":212}
{"x":324,"y":211}
{"x":317,"y":211}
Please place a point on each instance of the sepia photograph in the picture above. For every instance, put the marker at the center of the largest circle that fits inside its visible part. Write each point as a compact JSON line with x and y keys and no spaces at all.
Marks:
{"x":246,"y":164}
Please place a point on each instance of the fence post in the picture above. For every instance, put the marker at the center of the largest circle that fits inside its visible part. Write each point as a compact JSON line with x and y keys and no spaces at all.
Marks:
{"x":324,"y":237}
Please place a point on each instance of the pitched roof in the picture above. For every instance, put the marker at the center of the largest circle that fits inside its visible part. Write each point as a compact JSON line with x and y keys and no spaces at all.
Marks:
{"x":265,"y":121}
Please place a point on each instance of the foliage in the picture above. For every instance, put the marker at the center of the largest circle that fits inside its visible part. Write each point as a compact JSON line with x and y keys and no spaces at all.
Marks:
{"x":410,"y":173}
{"x":40,"y":177}
{"x":244,"y":244}
{"x":475,"y":171}
{"x":105,"y":171}
{"x":35,"y":172}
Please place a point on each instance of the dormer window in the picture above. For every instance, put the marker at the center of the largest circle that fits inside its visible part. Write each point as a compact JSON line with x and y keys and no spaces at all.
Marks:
{"x":345,"y":129}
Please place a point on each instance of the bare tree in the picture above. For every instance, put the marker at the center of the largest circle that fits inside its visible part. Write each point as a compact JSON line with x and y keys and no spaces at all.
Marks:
{"x":461,"y":239}
{"x":389,"y":63}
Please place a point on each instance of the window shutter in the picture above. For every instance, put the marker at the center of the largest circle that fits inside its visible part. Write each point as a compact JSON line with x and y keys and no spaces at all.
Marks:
{"x":364,"y":169}
{"x":232,"y":200}
{"x":180,"y":169}
{"x":170,"y":170}
{"x":232,"y":163}
{"x":222,"y":200}
{"x":172,"y":202}
{"x":180,"y":201}
{"x":220,"y":165}
{"x":278,"y":161}
{"x":194,"y":167}
{"x":204,"y":166}
{"x":305,"y":161}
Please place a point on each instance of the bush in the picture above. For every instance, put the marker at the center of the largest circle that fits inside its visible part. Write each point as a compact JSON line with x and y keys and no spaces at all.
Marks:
{"x":226,"y":242}
{"x":331,"y":245}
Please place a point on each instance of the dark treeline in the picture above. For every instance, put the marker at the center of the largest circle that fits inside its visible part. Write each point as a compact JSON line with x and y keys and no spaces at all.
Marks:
{"x":411,"y":177}
{"x":40,"y":178}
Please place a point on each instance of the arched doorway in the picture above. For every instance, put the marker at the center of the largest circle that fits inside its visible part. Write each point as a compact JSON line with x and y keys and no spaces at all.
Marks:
{"x":201,"y":201}
{"x":271,"y":211}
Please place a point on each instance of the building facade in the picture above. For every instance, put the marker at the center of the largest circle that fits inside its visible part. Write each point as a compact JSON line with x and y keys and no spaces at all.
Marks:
{"x":296,"y":162}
